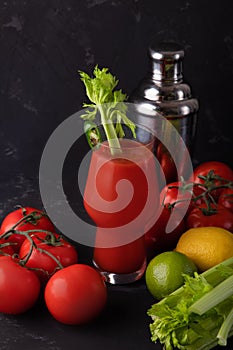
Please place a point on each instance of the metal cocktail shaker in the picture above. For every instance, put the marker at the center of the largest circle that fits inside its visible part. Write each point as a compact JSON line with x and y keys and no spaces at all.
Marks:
{"x":164,"y":92}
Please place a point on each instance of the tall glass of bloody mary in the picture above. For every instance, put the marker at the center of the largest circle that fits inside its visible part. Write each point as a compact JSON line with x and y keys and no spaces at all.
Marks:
{"x":121,"y":196}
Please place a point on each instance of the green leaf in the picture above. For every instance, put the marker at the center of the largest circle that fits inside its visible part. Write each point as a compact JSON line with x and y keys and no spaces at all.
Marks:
{"x":100,"y":90}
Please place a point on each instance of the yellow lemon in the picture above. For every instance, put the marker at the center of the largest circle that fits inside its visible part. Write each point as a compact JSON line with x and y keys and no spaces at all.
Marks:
{"x":164,"y":273}
{"x":206,"y":246}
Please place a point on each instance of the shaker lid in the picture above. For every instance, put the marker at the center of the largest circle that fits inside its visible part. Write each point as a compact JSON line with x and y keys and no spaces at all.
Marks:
{"x":164,"y":50}
{"x":167,"y":60}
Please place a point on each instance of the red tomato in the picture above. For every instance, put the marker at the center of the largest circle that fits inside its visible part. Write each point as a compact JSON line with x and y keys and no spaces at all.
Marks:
{"x":76,"y":294}
{"x":6,"y":249}
{"x":221,"y":218}
{"x":169,"y":194}
{"x":167,"y":163}
{"x":219,"y":169}
{"x":19,"y":287}
{"x":63,"y":251}
{"x":226,"y":198}
{"x":39,"y":220}
{"x":180,"y":194}
{"x":157,"y":240}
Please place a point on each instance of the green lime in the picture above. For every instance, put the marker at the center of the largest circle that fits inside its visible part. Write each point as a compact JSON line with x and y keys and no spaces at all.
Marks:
{"x":164,"y":273}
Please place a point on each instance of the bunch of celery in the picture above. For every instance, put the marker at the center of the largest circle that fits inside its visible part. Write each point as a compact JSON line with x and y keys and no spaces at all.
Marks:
{"x":108,"y":102}
{"x":199,"y":315}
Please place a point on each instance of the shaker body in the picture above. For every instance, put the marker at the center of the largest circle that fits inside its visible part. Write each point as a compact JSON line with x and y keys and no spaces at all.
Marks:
{"x":163,"y":92}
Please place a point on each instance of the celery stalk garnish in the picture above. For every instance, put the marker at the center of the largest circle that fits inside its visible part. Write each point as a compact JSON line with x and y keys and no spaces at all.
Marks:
{"x":109,"y":103}
{"x":175,"y":325}
{"x":226,"y":326}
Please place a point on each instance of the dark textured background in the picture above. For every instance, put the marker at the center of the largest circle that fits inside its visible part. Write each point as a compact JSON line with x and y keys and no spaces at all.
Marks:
{"x":42,"y":46}
{"x":44,"y":43}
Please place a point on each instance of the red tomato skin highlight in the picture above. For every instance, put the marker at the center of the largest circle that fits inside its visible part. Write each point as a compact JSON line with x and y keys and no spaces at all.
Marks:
{"x":226,"y":198}
{"x":76,"y":294}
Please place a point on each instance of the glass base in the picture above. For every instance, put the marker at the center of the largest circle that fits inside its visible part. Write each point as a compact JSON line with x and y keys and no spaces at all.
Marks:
{"x":122,"y":278}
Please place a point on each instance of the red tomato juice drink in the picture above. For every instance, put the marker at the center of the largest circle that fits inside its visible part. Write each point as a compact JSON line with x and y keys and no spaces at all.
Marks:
{"x":121,"y":195}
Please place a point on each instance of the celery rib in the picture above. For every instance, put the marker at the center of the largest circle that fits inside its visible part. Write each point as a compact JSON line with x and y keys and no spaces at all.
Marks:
{"x":221,"y":292}
{"x":176,"y":318}
{"x":210,"y":275}
{"x":225,"y":329}
{"x":213,"y":275}
{"x":109,"y":130}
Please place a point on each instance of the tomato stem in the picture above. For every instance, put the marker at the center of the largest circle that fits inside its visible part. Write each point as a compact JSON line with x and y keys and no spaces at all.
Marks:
{"x":24,"y":261}
{"x":50,"y":239}
{"x":33,"y":245}
{"x":208,"y":187}
{"x":51,"y":256}
{"x":32,"y":217}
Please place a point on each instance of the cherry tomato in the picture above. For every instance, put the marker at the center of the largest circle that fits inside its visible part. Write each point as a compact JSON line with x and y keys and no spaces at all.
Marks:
{"x":219,"y":169}
{"x":76,"y":294}
{"x":6,"y":248}
{"x":221,"y":218}
{"x":169,"y":194}
{"x":167,"y":163}
{"x":39,"y":220}
{"x":179,"y":194}
{"x":226,"y":198}
{"x":19,"y":287}
{"x":63,"y":251}
{"x":156,"y":238}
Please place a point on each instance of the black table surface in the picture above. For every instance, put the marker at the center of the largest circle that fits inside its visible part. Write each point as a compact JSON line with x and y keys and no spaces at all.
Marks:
{"x":123,"y":324}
